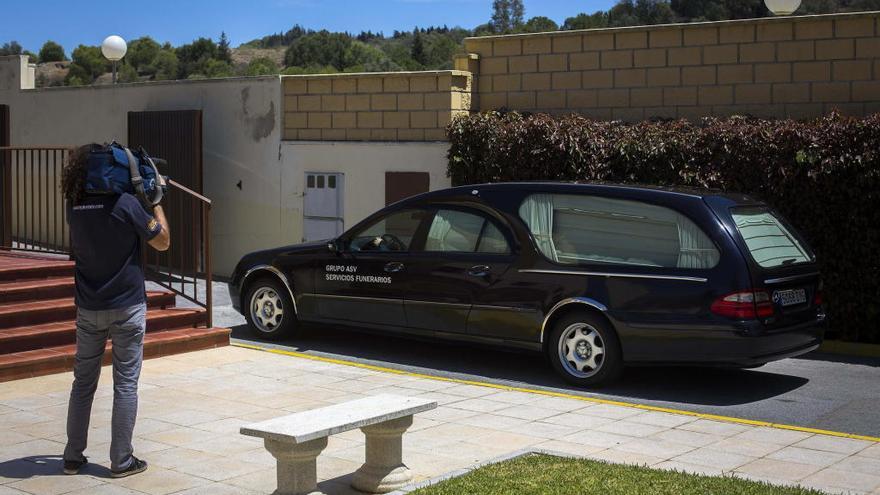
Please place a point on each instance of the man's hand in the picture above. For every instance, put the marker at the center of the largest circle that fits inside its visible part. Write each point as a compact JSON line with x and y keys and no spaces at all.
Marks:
{"x":162,"y":241}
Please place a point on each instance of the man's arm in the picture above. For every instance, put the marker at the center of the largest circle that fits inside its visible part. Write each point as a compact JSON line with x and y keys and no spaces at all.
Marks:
{"x":162,"y":240}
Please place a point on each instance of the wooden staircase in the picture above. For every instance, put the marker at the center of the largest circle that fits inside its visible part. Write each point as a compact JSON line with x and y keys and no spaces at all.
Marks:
{"x":37,"y":313}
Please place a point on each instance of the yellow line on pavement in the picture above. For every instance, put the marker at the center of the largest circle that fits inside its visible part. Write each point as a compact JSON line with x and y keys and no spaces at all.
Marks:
{"x":548,"y":393}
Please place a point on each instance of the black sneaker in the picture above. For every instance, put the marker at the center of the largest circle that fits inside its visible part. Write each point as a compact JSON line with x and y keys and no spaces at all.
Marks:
{"x":73,"y":467}
{"x":136,"y":466}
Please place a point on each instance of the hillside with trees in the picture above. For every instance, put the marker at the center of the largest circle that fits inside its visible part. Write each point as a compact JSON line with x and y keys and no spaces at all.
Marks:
{"x":301,"y":50}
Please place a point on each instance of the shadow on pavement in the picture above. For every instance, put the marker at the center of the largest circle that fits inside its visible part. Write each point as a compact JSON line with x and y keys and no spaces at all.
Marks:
{"x":44,"y":465}
{"x":689,"y":385}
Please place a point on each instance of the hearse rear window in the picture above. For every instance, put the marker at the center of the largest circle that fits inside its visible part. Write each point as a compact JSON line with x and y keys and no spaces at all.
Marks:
{"x":770,"y":242}
{"x":580,"y":229}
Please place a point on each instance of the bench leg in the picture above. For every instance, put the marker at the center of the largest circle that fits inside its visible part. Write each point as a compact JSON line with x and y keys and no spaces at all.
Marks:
{"x":296,"y":465}
{"x":384,"y":470}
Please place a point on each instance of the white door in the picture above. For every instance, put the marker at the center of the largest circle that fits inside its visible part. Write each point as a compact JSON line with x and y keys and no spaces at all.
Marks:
{"x":322,"y":209}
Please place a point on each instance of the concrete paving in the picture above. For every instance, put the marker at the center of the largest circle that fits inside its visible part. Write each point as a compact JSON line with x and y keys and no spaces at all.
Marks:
{"x":817,"y":391}
{"x":192,"y":406}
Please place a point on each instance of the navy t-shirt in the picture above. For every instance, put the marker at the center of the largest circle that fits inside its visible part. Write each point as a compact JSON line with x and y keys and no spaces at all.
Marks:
{"x":105,"y":235}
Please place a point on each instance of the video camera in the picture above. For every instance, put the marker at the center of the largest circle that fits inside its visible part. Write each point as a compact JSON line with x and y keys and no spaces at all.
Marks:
{"x":115,"y":169}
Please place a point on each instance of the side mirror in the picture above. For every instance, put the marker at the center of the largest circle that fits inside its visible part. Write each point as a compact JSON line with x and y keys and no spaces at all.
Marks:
{"x":333,"y":246}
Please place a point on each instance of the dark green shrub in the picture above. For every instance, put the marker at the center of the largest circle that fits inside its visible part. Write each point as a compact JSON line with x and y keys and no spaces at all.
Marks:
{"x":822,"y":174}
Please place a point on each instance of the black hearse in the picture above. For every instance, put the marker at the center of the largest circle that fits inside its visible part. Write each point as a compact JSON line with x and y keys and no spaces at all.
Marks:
{"x":595,"y":276}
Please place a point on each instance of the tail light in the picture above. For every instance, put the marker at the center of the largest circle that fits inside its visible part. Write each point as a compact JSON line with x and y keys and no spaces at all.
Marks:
{"x":817,"y":298}
{"x":744,"y":305}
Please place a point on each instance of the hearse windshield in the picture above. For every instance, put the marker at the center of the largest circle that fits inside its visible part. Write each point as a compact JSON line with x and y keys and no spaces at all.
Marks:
{"x":581,"y":229}
{"x":770,"y":242}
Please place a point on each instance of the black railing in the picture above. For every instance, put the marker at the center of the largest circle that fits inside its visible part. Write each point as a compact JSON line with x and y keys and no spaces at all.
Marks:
{"x":32,"y":213}
{"x":185,"y":268}
{"x":33,"y":218}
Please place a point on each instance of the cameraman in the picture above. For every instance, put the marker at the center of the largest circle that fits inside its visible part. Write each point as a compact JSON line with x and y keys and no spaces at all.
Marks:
{"x":105,"y":235}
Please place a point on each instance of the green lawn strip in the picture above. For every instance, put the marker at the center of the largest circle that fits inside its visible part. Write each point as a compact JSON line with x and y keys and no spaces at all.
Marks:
{"x":547,"y":474}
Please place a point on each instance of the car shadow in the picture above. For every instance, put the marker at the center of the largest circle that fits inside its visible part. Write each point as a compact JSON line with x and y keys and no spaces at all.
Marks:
{"x":689,"y":385}
{"x":45,"y":465}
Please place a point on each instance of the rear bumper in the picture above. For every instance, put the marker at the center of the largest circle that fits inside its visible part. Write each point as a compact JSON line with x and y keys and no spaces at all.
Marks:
{"x":741,"y":347}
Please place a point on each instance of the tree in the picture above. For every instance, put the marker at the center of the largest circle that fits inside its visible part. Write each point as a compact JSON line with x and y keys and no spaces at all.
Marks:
{"x":166,"y":65}
{"x":595,"y":20}
{"x":322,"y":48}
{"x":417,"y":52}
{"x":223,"y":52}
{"x":141,"y":53}
{"x":127,"y":74}
{"x":540,"y":24}
{"x":91,"y":60}
{"x":10,"y":48}
{"x":51,"y":52}
{"x":261,"y":66}
{"x":194,"y":56}
{"x":507,"y":15}
{"x":77,"y":75}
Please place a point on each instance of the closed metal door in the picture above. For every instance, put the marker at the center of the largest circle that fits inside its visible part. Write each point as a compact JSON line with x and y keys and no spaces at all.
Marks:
{"x":322,"y":209}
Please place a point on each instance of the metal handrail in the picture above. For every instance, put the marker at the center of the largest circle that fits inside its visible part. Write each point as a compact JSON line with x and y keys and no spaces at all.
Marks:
{"x":32,"y":214}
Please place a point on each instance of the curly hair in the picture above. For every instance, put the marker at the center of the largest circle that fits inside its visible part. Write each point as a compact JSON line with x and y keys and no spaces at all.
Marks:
{"x":73,"y":177}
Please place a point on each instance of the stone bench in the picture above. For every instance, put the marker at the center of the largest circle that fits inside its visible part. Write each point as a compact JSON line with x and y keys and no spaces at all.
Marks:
{"x":296,"y":441}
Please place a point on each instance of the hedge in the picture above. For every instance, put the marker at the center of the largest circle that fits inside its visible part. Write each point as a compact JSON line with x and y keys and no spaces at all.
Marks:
{"x":822,"y":174}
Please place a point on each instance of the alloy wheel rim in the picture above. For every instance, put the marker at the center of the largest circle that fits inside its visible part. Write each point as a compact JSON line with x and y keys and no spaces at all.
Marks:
{"x":267,"y":310}
{"x":581,"y":350}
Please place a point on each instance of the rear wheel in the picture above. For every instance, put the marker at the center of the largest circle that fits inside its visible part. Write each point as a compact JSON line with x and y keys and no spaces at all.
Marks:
{"x":270,"y":314}
{"x":584,"y":350}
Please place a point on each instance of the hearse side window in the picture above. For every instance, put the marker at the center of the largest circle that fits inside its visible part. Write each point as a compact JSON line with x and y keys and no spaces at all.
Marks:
{"x":770,"y":243}
{"x":577,"y":229}
{"x":462,"y":232}
{"x":394,"y":232}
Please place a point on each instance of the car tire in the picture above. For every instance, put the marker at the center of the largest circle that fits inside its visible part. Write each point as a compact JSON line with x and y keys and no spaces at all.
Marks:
{"x":269,"y":310}
{"x":584,"y":350}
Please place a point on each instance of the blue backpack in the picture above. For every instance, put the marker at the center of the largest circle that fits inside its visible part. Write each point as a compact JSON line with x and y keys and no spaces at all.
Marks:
{"x":115,"y":169}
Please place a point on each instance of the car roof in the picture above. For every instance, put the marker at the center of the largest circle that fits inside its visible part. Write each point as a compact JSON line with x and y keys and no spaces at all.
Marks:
{"x":584,"y":187}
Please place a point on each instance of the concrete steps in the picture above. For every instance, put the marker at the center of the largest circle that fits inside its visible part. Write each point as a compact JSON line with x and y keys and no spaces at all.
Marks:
{"x":38,"y":328}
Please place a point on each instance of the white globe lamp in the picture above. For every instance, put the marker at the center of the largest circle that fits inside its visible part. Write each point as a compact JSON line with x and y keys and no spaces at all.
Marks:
{"x":782,"y":7}
{"x":114,"y":49}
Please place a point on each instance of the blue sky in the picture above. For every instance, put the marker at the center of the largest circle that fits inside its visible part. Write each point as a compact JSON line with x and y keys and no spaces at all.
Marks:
{"x":31,"y":22}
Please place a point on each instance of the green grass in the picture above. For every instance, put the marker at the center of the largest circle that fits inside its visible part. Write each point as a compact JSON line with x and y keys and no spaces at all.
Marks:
{"x":546,"y":475}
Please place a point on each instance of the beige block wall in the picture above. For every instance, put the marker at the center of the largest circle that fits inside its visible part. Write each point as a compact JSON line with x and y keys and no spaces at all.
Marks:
{"x":396,"y":106}
{"x":780,"y":67}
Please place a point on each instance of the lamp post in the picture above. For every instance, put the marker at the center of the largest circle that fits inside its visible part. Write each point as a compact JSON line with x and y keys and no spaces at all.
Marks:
{"x":782,"y":7}
{"x":114,"y":49}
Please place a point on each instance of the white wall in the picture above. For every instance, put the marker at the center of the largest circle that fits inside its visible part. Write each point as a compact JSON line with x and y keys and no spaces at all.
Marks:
{"x":241,"y":124}
{"x":364,"y":166}
{"x":241,"y":120}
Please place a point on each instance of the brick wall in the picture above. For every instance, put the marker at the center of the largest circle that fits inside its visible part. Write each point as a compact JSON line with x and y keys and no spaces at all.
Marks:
{"x":397,"y":106}
{"x":782,"y":67}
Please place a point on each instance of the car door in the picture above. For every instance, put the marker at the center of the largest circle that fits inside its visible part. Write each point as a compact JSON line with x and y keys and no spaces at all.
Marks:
{"x":363,"y":282}
{"x":464,"y":253}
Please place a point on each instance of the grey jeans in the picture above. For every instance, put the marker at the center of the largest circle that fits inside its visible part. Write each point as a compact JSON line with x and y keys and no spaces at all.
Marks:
{"x":125,"y":327}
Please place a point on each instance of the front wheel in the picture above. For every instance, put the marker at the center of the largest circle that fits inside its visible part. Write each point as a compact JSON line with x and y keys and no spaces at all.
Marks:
{"x":270,"y":313}
{"x":584,"y":350}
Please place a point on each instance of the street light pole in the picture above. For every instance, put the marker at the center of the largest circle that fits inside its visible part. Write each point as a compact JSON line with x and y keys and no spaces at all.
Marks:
{"x":114,"y":49}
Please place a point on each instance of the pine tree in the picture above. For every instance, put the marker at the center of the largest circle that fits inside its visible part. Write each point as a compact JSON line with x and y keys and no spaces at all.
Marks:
{"x":507,"y":15}
{"x":223,"y":52}
{"x":418,"y":48}
{"x":517,"y":14}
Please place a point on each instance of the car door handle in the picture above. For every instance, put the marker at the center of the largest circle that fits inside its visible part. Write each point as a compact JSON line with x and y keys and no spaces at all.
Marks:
{"x":394,"y":267}
{"x":479,"y":270}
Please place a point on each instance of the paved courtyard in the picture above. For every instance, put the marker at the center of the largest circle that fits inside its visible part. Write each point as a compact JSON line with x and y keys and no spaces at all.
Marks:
{"x":192,"y":406}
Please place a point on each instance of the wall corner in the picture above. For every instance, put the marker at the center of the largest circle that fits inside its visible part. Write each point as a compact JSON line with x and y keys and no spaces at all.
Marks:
{"x":16,"y":73}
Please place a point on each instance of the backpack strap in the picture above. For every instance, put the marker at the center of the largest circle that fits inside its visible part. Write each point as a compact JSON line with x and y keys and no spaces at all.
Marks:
{"x":136,"y":180}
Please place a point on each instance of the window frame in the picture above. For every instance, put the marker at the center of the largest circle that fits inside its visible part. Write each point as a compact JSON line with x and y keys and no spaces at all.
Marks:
{"x":790,"y":232}
{"x":505,"y":231}
{"x":623,"y":267}
{"x":415,"y":244}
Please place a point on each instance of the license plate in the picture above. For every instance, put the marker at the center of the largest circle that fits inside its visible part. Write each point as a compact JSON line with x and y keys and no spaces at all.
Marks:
{"x":790,"y":297}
